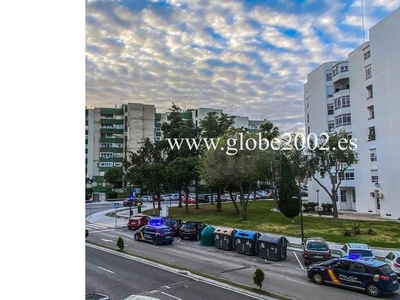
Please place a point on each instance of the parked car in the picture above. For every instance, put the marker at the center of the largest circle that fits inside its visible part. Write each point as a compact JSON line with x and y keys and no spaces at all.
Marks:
{"x":393,"y":260}
{"x":203,"y":199}
{"x":157,"y":221}
{"x":315,"y":250}
{"x":358,"y":249}
{"x":137,"y":221}
{"x":146,"y":198}
{"x":154,"y":234}
{"x":174,"y":224}
{"x":191,"y":230}
{"x":190,"y":200}
{"x":96,"y":296}
{"x":370,"y":275}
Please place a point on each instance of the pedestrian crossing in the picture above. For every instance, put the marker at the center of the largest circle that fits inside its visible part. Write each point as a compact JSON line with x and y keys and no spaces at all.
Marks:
{"x":95,"y":227}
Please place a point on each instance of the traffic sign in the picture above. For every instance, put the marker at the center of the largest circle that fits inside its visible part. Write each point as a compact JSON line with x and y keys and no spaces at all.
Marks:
{"x":116,"y":205}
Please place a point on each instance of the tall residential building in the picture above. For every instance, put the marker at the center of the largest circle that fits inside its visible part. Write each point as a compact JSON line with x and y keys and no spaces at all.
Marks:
{"x":362,"y":96}
{"x":110,"y":134}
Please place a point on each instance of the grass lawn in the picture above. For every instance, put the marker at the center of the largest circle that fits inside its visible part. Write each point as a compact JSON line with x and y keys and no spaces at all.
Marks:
{"x":386,"y":234}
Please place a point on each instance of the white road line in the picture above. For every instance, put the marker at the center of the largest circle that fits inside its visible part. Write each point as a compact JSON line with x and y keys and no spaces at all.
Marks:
{"x":171,"y":296}
{"x":105,"y":269}
{"x":295,"y":255}
{"x":297,"y":281}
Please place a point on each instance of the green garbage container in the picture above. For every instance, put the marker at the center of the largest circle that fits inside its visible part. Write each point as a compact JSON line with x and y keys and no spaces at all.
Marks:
{"x":246,"y":242}
{"x":207,"y":236}
{"x":224,"y":238}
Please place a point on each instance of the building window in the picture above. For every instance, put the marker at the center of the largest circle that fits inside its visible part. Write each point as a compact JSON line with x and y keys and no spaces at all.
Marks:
{"x":346,"y":119}
{"x":367,"y":55}
{"x":105,"y":164}
{"x":346,"y":101}
{"x":308,"y":130}
{"x":343,"y":196}
{"x":372,"y":155}
{"x":349,"y":175}
{"x":368,"y":73}
{"x":106,"y":154}
{"x":308,"y":118}
{"x":344,"y":69}
{"x":331,"y":126}
{"x":328,"y":76}
{"x":370,"y":93}
{"x":329,"y":91}
{"x":371,"y":114}
{"x":354,"y":195}
{"x":374,"y":176}
{"x":330,"y":109}
{"x":371,"y":134}
{"x":338,"y":103}
{"x":158,"y":129}
{"x":338,"y":121}
{"x":118,"y":164}
{"x":106,"y":145}
{"x":158,"y":138}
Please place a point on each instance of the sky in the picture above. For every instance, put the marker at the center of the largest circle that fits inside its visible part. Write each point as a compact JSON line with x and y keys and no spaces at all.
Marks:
{"x":250,"y":58}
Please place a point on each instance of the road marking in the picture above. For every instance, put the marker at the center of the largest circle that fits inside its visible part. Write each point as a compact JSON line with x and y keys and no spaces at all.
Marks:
{"x":105,"y":240}
{"x":295,"y":255}
{"x":171,"y":296}
{"x":297,"y":281}
{"x":105,"y":269}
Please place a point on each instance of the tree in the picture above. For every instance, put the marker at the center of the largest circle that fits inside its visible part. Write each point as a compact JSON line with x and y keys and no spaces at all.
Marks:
{"x":114,"y":177}
{"x":258,"y":277}
{"x":120,"y":243}
{"x":332,"y":156}
{"x":269,"y":131}
{"x":287,"y":189}
{"x":215,"y":125}
{"x":180,"y":172}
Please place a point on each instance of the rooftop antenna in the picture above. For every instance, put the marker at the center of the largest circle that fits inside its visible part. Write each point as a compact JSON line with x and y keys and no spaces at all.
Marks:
{"x":362,"y":18}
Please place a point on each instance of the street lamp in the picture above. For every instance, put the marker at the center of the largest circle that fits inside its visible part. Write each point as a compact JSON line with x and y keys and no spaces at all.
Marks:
{"x":301,"y":218}
{"x":317,"y":199}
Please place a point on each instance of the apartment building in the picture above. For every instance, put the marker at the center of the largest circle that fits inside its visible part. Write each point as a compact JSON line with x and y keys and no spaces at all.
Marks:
{"x":110,"y":134}
{"x":362,"y":96}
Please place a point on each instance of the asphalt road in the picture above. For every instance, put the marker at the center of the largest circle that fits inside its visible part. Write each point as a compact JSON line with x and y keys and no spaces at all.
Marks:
{"x":287,"y":278}
{"x":119,"y":276}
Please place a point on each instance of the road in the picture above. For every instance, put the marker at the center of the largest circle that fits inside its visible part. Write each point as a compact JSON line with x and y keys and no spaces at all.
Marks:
{"x":287,"y":278}
{"x":119,"y":276}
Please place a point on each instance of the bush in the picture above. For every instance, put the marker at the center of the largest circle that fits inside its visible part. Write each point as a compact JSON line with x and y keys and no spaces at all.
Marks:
{"x":356,"y":228}
{"x":370,"y":231}
{"x":306,"y":207}
{"x":258,"y":277}
{"x":112,"y":195}
{"x":120,"y":243}
{"x":347,"y":233}
{"x":312,"y":205}
{"x":86,"y":233}
{"x":327,"y":207}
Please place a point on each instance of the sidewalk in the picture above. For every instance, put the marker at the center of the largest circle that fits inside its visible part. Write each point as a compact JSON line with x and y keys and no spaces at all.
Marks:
{"x":120,"y":221}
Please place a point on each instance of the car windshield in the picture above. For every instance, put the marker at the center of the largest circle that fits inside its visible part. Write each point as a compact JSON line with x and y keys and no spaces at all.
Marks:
{"x":361,"y":252}
{"x":318,"y":246}
{"x":190,"y":225}
{"x":398,"y":260}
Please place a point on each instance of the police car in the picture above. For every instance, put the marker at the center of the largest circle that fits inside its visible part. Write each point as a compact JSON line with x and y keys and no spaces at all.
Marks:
{"x":370,"y":275}
{"x":154,"y":234}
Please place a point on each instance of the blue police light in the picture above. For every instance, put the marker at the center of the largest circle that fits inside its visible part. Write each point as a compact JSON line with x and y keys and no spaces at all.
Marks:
{"x":131,"y":197}
{"x":355,"y":256}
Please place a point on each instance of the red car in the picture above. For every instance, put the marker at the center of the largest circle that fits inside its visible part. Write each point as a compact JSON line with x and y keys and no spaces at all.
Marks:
{"x":190,"y":200}
{"x":137,"y":221}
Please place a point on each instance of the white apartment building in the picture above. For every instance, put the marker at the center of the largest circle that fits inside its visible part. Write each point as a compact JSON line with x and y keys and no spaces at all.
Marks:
{"x":362,"y":96}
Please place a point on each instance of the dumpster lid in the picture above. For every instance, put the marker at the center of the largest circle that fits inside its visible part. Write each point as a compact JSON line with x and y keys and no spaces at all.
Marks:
{"x":224,"y":230}
{"x":273,"y":239}
{"x":246,"y":234}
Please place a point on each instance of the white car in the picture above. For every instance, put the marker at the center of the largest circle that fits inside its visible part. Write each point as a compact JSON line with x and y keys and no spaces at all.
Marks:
{"x":357,"y":249}
{"x":393,"y":260}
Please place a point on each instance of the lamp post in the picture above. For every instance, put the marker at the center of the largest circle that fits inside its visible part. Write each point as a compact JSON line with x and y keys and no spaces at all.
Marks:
{"x":301,"y":219}
{"x":317,"y":199}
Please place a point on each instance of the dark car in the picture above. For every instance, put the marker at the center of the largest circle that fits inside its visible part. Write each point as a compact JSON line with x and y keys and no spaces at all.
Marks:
{"x":137,"y":221}
{"x":154,"y":234}
{"x":157,"y":221}
{"x":174,"y":224}
{"x":191,"y":230}
{"x":128,"y":202}
{"x":315,"y":250}
{"x":370,"y":275}
{"x":96,"y":296}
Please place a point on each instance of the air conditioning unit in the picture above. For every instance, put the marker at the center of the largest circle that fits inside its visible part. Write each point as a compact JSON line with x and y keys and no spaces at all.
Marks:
{"x":379,"y":195}
{"x":372,"y":194}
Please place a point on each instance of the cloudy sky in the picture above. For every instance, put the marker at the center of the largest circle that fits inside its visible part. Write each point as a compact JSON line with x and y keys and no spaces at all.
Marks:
{"x":250,"y":58}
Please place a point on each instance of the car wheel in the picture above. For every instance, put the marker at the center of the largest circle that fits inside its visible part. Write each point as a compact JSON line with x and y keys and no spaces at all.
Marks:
{"x":306,"y":263}
{"x":136,"y":237}
{"x":318,"y":279}
{"x":373,"y":290}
